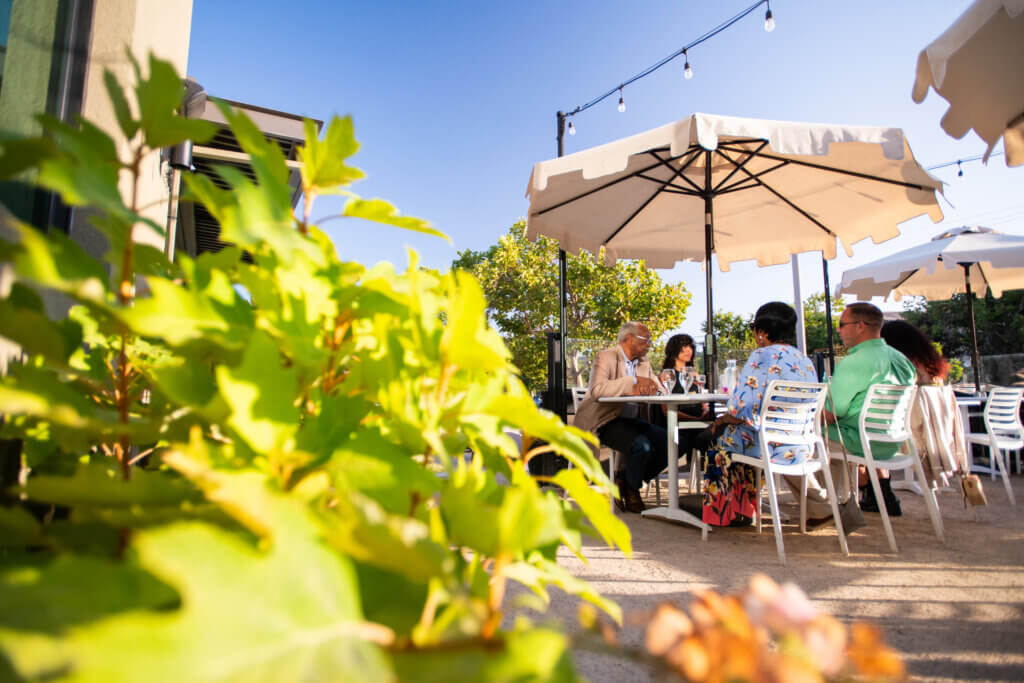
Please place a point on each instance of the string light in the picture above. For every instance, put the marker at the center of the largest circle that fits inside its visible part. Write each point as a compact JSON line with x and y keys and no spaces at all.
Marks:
{"x":769,"y":25}
{"x":959,"y":170}
{"x":959,"y":163}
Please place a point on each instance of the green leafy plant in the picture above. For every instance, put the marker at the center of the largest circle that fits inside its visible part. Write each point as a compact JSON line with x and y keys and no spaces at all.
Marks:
{"x":273,"y":487}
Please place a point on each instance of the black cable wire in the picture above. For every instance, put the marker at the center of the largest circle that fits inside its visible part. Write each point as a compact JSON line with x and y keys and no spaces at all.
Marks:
{"x":963,"y":161}
{"x":654,"y":67}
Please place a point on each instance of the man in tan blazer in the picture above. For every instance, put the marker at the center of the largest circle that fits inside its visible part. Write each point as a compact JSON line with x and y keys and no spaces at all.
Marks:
{"x":624,"y":370}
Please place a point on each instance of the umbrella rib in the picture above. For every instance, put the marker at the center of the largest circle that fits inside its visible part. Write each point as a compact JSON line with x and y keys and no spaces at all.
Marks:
{"x":675,"y":174}
{"x":856,"y":174}
{"x":779,"y":195}
{"x":748,"y":183}
{"x":613,"y":182}
{"x":694,"y":152}
{"x":909,"y":275}
{"x":670,"y":187}
{"x":750,"y":155}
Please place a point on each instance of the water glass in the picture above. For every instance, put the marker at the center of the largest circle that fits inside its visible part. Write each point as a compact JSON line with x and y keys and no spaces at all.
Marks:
{"x":701,"y":380}
{"x":667,"y":377}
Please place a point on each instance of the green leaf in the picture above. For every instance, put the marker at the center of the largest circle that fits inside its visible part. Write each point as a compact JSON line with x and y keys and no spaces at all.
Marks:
{"x":18,"y":529}
{"x":371,"y":464}
{"x":289,"y":614}
{"x":594,"y":505}
{"x":214,"y":315}
{"x":380,"y":211}
{"x":58,"y":263}
{"x":261,"y":396}
{"x":101,"y":483}
{"x":467,"y":341}
{"x":537,"y":654}
{"x":363,"y":530}
{"x":129,"y":126}
{"x":24,"y":321}
{"x":323,"y":163}
{"x":160,"y":97}
{"x":41,"y":599}
{"x":539,"y":573}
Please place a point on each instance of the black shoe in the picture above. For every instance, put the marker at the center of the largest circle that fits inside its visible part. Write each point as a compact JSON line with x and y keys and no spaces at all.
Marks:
{"x":892,"y":503}
{"x":634,"y":503}
{"x":868,"y":502}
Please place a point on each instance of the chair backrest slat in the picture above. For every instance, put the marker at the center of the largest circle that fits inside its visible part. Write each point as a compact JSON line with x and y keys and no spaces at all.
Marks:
{"x":884,"y":415}
{"x":1001,"y":410}
{"x":789,"y":411}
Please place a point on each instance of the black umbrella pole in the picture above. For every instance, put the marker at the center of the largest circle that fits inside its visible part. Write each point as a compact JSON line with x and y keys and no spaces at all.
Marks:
{"x":828,"y":317}
{"x":710,"y":357}
{"x":557,"y":383}
{"x":975,"y":358}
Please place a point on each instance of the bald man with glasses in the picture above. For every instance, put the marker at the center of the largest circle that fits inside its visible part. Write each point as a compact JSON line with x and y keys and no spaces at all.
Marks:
{"x":869,"y":361}
{"x":623,"y":370}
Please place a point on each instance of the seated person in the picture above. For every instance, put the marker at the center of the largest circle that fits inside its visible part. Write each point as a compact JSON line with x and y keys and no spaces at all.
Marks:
{"x":623,"y":370}
{"x":679,"y":354}
{"x":869,"y":361}
{"x":730,"y":493}
{"x":935,"y":419}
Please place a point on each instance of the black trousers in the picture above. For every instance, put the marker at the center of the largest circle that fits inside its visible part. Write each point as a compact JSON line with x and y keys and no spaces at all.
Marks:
{"x":642,"y":444}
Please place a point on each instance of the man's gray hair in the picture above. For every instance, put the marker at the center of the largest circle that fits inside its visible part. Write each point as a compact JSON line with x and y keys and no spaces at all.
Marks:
{"x":629,"y":328}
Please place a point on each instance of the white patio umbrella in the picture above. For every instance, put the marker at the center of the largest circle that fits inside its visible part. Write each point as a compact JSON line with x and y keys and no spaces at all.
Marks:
{"x":739,"y":188}
{"x":977,"y":64}
{"x":972,"y":260}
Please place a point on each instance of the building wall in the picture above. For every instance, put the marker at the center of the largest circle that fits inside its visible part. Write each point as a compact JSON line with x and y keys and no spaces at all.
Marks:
{"x":160,"y":27}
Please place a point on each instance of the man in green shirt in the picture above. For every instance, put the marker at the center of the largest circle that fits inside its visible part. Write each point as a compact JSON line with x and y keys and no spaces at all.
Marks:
{"x":869,"y":361}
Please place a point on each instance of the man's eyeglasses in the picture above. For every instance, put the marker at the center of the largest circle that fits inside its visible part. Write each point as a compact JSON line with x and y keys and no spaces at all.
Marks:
{"x":848,"y":322}
{"x":645,"y":340}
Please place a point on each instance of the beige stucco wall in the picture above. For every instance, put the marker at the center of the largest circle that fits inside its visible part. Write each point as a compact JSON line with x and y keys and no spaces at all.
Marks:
{"x":160,"y":27}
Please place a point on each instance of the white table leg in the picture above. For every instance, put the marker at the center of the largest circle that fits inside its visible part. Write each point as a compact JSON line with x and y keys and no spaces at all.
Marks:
{"x":672,"y":512}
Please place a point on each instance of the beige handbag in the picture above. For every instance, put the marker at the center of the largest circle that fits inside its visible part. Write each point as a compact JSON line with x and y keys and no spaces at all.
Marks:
{"x":970,"y":485}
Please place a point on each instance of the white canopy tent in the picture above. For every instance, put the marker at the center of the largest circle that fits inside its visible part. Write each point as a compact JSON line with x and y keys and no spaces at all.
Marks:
{"x":977,"y":64}
{"x":739,"y":188}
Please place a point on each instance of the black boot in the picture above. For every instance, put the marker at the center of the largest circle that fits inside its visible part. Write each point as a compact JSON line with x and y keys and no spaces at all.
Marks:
{"x":892,"y":503}
{"x":868,"y":502}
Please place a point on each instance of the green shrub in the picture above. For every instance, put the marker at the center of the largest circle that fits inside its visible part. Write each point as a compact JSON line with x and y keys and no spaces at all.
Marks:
{"x":275,"y":488}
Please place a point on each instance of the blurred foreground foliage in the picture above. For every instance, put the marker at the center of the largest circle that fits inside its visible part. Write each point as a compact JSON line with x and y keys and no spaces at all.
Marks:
{"x":270,"y":487}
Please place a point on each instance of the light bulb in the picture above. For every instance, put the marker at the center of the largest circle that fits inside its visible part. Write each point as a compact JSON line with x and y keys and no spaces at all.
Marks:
{"x":959,"y":170}
{"x":622,"y":104}
{"x":572,"y":129}
{"x":687,"y":71}
{"x":769,"y":21}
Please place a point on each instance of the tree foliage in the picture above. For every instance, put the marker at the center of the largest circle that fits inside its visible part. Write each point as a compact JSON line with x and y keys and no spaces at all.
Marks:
{"x":520,"y":281}
{"x":1000,"y":323}
{"x":273,"y":489}
{"x":815,"y":323}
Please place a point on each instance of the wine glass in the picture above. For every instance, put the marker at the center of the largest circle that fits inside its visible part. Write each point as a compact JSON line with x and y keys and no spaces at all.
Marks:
{"x":686,"y":379}
{"x":701,"y":379}
{"x":667,"y":377}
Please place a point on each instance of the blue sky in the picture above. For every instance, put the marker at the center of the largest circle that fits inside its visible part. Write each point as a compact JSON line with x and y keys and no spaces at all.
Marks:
{"x":454,"y":101}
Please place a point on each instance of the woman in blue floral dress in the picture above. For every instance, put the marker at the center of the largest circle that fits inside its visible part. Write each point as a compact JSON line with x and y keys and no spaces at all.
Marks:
{"x":730,"y":493}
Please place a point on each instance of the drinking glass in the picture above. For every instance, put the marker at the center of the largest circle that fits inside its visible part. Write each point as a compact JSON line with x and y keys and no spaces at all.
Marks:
{"x":667,"y":377}
{"x":686,"y":379}
{"x":701,"y":380}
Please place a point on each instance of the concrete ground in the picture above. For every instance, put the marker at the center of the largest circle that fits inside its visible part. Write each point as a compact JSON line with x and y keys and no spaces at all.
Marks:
{"x":955,"y":610}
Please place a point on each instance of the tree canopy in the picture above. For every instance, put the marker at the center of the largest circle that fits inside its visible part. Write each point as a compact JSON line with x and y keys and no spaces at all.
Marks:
{"x":520,"y":282}
{"x":1000,"y":322}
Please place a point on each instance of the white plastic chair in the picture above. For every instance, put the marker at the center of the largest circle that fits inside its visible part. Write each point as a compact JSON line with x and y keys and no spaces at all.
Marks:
{"x":1003,"y":431}
{"x":885,"y":418}
{"x":578,"y":394}
{"x":790,"y":415}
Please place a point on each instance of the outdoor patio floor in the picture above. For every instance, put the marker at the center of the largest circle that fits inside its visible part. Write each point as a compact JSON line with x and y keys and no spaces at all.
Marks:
{"x":955,"y":610}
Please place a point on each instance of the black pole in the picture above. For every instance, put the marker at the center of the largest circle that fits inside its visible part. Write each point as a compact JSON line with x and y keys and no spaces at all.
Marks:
{"x":975,"y":358}
{"x":558,"y":385}
{"x":710,"y":357}
{"x":828,"y":318}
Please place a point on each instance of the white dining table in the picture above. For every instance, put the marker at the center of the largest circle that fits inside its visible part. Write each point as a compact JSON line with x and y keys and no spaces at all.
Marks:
{"x":672,"y":512}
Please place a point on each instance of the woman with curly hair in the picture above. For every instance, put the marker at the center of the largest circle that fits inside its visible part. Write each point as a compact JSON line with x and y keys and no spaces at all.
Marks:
{"x":931,"y":367}
{"x":730,"y":493}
